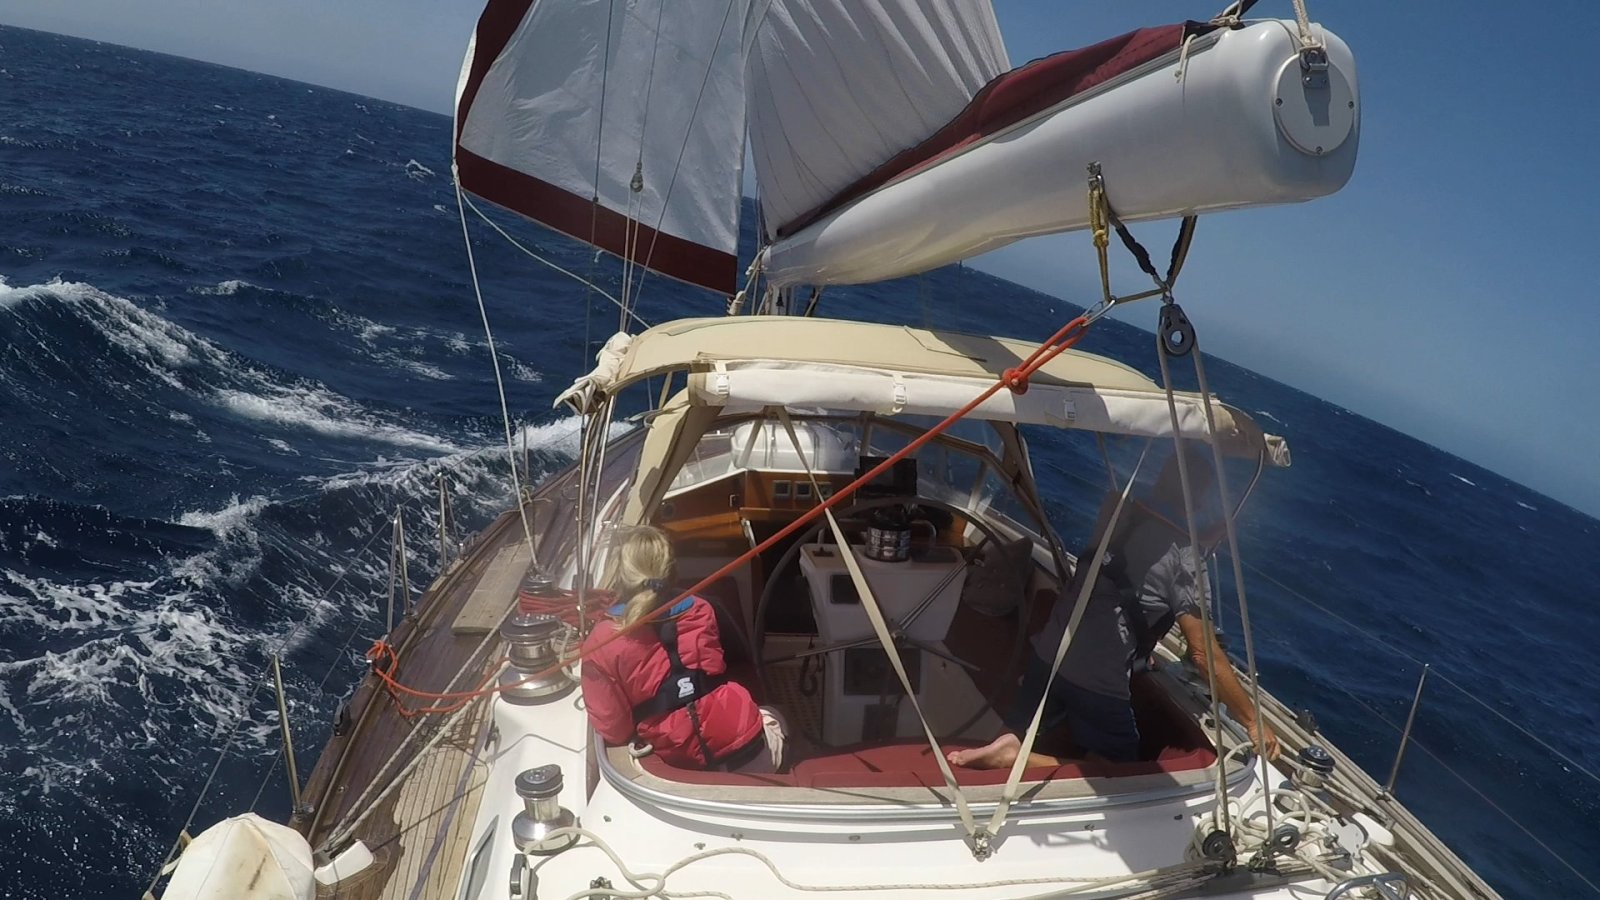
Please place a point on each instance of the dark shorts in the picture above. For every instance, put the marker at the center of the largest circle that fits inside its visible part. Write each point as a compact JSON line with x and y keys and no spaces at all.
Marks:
{"x":1100,"y":724}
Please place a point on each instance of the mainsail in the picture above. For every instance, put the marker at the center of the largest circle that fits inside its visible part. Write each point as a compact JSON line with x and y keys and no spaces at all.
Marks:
{"x":838,"y":87}
{"x":888,"y":137}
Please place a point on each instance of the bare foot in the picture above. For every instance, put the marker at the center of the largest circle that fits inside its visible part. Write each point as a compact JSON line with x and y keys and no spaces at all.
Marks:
{"x":999,"y":753}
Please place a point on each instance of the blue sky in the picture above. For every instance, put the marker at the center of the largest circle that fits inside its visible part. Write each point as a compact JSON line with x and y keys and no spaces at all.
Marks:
{"x":1448,"y":291}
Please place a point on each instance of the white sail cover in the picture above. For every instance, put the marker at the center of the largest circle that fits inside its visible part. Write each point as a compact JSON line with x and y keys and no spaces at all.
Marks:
{"x":838,"y":87}
{"x":562,"y":102}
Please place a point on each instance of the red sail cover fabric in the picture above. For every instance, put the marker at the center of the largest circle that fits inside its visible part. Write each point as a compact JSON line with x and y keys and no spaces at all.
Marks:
{"x":1013,"y":97}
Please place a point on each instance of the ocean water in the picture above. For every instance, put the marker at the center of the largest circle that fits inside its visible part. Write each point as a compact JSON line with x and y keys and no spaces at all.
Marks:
{"x":237,"y":335}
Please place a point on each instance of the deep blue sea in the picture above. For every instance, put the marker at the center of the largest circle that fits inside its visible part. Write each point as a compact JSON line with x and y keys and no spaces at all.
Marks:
{"x":237,"y":332}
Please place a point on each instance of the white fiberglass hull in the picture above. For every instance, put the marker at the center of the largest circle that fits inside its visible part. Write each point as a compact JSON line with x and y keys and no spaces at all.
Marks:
{"x":1217,"y":138}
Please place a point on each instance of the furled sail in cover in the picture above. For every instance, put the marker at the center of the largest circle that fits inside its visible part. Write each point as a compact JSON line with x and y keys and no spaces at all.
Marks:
{"x":560,"y":103}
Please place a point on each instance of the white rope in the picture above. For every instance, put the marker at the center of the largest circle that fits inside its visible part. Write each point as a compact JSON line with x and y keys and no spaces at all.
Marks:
{"x":1260,"y":736}
{"x":537,"y":258}
{"x":869,"y":604}
{"x":1014,"y":777}
{"x":653,"y":884}
{"x":1220,"y":814}
{"x":1302,"y":19}
{"x":499,"y":381}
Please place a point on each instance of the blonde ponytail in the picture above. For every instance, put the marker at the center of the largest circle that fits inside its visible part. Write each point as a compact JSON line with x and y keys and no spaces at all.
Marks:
{"x":642,"y":571}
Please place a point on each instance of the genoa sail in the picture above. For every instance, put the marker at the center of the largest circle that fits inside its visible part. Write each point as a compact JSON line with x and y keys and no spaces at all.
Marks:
{"x":616,"y":123}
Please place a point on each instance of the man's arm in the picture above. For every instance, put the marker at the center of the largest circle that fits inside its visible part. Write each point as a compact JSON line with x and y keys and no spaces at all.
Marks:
{"x":1232,"y":693}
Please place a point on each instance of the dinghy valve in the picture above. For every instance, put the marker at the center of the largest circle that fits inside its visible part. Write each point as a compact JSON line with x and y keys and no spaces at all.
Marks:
{"x":542,"y":813}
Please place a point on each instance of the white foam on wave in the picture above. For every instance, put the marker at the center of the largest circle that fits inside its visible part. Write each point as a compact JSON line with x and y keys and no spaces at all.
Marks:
{"x":160,"y":344}
{"x":165,"y":348}
{"x":132,"y":638}
{"x":1527,"y":506}
{"x":426,"y":370}
{"x":238,"y":552}
{"x":1266,"y":415}
{"x":417,"y":171}
{"x":521,"y":371}
{"x":230,"y":519}
{"x":224,"y":288}
{"x":1419,"y":486}
{"x":1463,"y":480}
{"x":560,"y":437}
{"x":282,"y":446}
{"x":326,"y":413}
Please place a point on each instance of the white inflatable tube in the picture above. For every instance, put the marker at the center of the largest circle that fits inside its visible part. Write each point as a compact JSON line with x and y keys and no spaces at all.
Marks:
{"x":1240,"y":128}
{"x":244,"y":858}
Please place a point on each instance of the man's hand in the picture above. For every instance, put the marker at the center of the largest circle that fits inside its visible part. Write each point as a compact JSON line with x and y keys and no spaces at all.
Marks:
{"x":1261,"y":735}
{"x":1229,"y":690}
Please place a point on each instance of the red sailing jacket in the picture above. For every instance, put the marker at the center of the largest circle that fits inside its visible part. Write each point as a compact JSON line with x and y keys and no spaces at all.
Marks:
{"x":628,"y":671}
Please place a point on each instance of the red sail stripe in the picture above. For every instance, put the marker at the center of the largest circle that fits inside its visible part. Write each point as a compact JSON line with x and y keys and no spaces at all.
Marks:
{"x":568,"y":213}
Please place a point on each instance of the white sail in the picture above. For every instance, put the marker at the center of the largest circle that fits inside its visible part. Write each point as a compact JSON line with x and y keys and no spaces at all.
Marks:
{"x":839,"y":87}
{"x":618,"y":122}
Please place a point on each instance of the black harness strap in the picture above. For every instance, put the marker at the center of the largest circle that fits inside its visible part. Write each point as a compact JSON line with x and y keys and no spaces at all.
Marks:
{"x":680,"y":689}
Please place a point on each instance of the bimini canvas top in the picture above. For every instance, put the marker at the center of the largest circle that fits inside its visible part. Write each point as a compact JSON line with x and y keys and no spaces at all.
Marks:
{"x":742,"y":364}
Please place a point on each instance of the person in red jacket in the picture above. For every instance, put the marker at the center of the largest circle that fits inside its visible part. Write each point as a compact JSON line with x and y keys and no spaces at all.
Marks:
{"x":662,"y":681}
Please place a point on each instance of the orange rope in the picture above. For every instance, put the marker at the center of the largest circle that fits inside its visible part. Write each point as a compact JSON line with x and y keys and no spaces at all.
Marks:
{"x":1015,"y":379}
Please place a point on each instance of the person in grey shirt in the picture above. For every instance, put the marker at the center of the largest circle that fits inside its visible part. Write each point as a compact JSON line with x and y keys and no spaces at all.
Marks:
{"x":1146,"y":585}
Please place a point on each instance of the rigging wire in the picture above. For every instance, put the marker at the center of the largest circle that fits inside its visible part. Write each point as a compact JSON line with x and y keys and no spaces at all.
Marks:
{"x":537,"y":258}
{"x":1376,"y":714}
{"x":244,"y":716}
{"x":677,"y":164}
{"x":499,"y":380}
{"x":1433,"y":673}
{"x":1220,"y":814}
{"x":1260,"y":736}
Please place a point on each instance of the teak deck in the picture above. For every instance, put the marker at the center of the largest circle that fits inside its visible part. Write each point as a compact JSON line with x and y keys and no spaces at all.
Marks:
{"x":418,"y":830}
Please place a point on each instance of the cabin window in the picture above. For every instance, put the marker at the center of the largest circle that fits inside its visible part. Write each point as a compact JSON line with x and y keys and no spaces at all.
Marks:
{"x":478,"y":870}
{"x":995,"y":495}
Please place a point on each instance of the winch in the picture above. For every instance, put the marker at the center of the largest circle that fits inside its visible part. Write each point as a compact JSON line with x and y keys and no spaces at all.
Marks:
{"x":540,"y":790}
{"x":535,"y":672}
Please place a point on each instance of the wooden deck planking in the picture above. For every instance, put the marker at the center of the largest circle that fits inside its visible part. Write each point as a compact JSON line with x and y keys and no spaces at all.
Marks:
{"x":486,"y":606}
{"x":432,"y":654}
